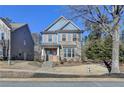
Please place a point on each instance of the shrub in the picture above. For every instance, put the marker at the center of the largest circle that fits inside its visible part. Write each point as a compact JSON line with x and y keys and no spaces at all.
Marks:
{"x":99,"y":50}
{"x":102,"y":50}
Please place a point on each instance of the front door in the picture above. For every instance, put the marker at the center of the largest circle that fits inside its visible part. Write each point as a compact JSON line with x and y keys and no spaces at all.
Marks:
{"x":50,"y":52}
{"x":47,"y":54}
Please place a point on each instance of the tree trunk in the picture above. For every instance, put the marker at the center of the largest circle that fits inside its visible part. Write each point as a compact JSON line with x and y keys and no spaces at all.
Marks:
{"x":115,"y":52}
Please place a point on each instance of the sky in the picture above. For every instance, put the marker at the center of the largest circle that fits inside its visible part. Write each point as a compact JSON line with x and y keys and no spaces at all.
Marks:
{"x":37,"y":17}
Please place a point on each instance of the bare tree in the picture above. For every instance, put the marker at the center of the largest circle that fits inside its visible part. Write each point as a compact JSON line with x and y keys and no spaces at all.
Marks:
{"x":36,"y":37}
{"x":37,"y":46}
{"x":9,"y":20}
{"x":108,"y":18}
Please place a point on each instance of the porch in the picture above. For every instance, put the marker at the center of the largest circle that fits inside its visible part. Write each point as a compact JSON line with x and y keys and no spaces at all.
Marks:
{"x":3,"y":49}
{"x":50,"y":53}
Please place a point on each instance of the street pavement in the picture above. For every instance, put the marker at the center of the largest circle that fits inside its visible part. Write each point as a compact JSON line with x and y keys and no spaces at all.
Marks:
{"x":61,"y":84}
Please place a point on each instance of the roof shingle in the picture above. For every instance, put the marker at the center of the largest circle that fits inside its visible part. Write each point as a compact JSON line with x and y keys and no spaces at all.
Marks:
{"x":15,"y":26}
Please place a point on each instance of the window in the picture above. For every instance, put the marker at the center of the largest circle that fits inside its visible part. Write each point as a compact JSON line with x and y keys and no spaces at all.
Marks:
{"x":59,"y":37}
{"x":63,"y":37}
{"x":64,"y":52}
{"x":2,"y":36}
{"x":44,"y":39}
{"x":72,"y":52}
{"x":50,"y":38}
{"x":69,"y":52}
{"x":74,"y":37}
{"x":54,"y":38}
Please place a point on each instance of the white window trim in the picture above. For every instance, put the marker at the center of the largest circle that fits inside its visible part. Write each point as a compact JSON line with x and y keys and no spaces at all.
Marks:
{"x":66,"y":53}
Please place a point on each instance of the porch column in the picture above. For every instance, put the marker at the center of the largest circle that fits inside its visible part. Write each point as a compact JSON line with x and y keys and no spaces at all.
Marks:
{"x":57,"y":38}
{"x":58,"y":51}
{"x":42,"y":52}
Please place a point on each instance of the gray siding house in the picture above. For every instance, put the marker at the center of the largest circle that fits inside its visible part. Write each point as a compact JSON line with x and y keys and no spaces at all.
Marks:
{"x":19,"y":36}
{"x":61,"y":40}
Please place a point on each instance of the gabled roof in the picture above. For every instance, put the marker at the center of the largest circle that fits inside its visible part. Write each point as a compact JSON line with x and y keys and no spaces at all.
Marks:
{"x":5,"y":22}
{"x":17,"y":25}
{"x":13,"y":26}
{"x":61,"y":31}
{"x":62,"y":24}
{"x":70,"y":26}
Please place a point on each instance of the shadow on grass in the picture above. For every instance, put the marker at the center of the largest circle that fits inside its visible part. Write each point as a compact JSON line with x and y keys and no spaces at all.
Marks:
{"x":48,"y":75}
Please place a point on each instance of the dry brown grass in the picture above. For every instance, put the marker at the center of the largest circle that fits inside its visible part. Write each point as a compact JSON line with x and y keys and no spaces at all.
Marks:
{"x":24,"y":65}
{"x":81,"y":69}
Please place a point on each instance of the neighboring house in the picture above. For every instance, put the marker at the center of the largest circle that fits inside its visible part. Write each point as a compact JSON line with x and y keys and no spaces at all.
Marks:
{"x":37,"y":47}
{"x":22,"y":45}
{"x":61,"y":40}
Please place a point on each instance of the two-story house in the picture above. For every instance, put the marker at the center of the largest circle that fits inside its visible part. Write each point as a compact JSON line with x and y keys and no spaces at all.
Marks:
{"x":61,"y":40}
{"x":16,"y":38}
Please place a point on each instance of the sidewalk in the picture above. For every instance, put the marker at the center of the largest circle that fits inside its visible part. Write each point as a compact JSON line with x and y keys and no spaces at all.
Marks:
{"x":62,"y":79}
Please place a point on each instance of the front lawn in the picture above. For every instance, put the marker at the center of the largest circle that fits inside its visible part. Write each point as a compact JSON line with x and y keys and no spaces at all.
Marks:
{"x":74,"y":68}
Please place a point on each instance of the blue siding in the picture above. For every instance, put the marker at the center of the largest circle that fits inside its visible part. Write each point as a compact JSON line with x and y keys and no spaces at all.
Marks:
{"x":69,"y":37}
{"x":59,"y":37}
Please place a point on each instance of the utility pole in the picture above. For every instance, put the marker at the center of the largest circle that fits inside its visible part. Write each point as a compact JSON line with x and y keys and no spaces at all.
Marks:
{"x":9,"y":49}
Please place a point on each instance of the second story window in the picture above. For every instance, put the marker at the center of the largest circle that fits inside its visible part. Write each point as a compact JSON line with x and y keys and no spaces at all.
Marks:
{"x":2,"y":36}
{"x":73,"y":52}
{"x":49,"y":38}
{"x":54,"y":38}
{"x":74,"y":37}
{"x":63,"y":37}
{"x":65,"y":52}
